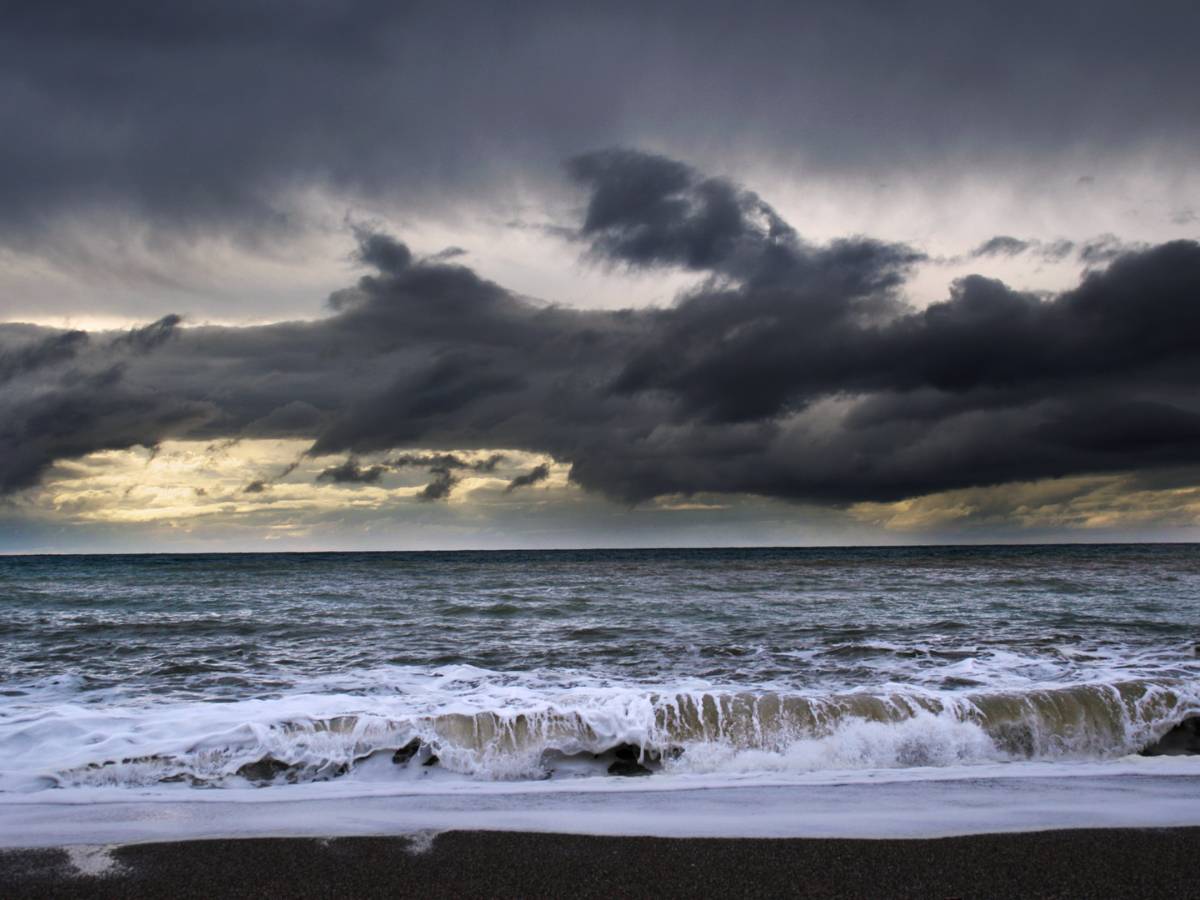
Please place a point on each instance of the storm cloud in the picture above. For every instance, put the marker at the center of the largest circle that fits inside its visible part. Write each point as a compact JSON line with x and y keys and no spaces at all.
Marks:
{"x":793,"y":370}
{"x":198,"y":118}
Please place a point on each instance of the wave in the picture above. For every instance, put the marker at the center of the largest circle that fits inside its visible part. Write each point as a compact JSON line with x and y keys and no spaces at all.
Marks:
{"x":622,"y":731}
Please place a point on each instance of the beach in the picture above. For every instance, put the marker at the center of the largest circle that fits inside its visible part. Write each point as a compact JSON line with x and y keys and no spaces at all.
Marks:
{"x":1101,"y":863}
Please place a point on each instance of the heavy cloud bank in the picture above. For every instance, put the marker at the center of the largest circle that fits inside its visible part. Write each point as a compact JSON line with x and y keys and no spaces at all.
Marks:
{"x":793,"y":371}
{"x":196,"y":118}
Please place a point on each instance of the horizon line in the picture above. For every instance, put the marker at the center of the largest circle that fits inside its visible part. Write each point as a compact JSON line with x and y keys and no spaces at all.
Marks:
{"x":629,"y":549}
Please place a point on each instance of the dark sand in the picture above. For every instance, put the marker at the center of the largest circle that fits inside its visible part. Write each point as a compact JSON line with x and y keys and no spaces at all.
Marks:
{"x":1110,"y":863}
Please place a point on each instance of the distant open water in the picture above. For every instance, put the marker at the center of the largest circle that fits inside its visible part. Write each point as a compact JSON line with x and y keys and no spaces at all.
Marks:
{"x":236,"y":670}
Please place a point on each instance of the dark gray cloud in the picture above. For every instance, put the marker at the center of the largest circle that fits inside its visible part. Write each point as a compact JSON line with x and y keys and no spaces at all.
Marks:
{"x":1095,"y":251}
{"x":28,"y":357}
{"x":652,"y":211}
{"x":195,"y":117}
{"x":66,"y":396}
{"x":351,"y":472}
{"x":1006,"y":245}
{"x":442,"y":466}
{"x":440,"y":488}
{"x":535,"y":475}
{"x":437,"y":461}
{"x":1106,"y":248}
{"x":793,"y":370}
{"x":1001,"y":245}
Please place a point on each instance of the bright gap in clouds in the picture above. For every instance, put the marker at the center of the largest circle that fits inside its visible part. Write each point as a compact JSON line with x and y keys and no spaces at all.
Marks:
{"x":268,"y":495}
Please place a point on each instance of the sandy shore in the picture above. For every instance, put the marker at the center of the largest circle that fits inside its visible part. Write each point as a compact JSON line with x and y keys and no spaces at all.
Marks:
{"x":1143,"y":863}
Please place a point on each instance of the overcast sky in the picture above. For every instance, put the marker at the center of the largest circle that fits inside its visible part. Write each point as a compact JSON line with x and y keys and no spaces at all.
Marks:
{"x":384,"y":275}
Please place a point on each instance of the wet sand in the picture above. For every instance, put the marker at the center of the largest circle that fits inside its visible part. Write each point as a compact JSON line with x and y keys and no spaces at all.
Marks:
{"x":1108,"y":863}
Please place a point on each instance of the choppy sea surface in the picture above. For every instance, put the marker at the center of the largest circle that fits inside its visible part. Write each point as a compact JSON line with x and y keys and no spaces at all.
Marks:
{"x":227,"y":677}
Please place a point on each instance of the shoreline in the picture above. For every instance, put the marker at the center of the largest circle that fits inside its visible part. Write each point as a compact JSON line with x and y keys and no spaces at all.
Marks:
{"x":1161,"y":792}
{"x":1106,"y":862}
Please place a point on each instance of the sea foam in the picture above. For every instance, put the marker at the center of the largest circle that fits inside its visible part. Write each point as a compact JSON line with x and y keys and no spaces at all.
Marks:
{"x":472,"y":724}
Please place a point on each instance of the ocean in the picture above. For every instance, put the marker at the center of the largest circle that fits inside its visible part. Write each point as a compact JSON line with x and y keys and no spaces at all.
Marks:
{"x":738,"y":691}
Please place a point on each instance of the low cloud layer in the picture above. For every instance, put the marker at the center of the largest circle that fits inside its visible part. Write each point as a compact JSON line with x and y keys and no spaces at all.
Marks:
{"x":794,"y":370}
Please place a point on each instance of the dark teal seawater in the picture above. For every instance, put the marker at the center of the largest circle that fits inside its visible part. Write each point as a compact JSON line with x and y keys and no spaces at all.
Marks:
{"x":236,"y":626}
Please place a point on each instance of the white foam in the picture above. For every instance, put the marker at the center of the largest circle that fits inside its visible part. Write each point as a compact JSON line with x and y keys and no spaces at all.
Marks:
{"x":421,"y":842}
{"x":923,"y":740}
{"x":142,"y":744}
{"x":92,"y":861}
{"x":931,"y":803}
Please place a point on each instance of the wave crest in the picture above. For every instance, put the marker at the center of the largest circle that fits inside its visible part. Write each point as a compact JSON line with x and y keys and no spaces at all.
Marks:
{"x":638,"y":733}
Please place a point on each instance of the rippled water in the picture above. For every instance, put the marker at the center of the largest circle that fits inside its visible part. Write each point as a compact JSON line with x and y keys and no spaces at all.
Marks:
{"x":195,"y":666}
{"x":238,"y":624}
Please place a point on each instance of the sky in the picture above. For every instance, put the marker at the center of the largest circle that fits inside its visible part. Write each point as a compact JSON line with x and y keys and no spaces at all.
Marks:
{"x":305,"y":275}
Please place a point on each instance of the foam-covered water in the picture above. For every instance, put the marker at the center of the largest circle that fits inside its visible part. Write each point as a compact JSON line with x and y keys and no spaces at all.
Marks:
{"x":267,"y":673}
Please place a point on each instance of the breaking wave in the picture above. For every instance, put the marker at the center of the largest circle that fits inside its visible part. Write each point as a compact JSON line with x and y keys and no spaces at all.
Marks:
{"x":577,"y":733}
